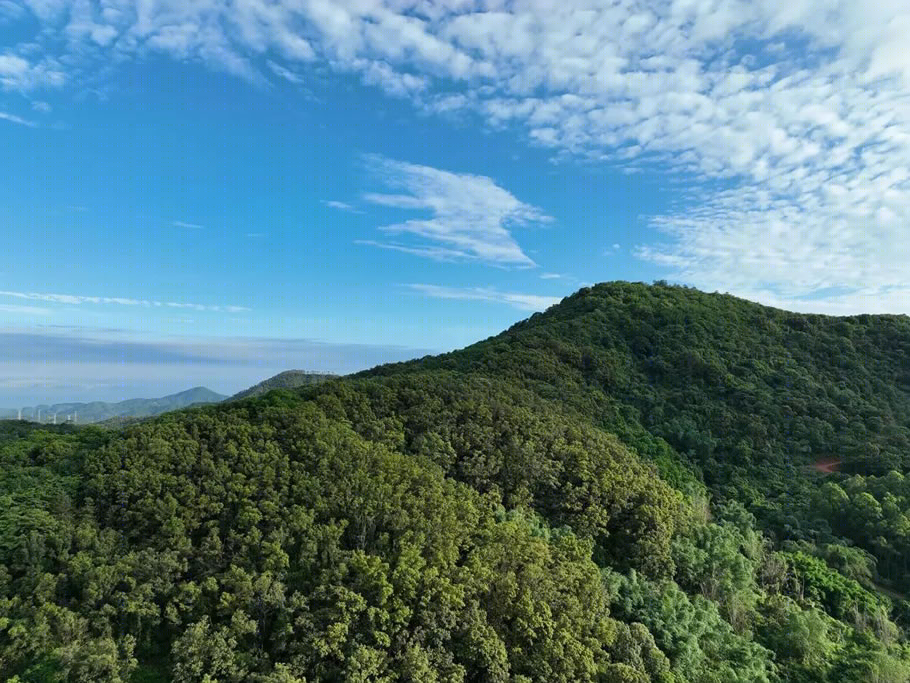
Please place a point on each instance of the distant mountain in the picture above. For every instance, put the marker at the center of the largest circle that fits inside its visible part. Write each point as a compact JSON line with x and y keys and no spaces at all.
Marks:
{"x":98,"y":411}
{"x":289,"y":379}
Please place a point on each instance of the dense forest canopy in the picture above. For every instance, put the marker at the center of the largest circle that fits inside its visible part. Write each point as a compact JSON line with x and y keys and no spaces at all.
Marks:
{"x":644,"y":483}
{"x":289,"y":379}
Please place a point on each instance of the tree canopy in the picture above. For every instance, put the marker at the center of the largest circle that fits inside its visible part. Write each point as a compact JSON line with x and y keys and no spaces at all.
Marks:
{"x":619,"y":489}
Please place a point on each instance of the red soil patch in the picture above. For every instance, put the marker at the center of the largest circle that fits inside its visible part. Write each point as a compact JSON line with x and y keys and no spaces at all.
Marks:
{"x":827,"y":465}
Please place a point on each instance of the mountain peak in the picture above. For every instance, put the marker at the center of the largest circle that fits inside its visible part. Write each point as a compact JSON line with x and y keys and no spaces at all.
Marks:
{"x":288,"y":379}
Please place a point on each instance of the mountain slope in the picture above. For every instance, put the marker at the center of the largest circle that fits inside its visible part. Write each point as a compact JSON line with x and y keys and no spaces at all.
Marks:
{"x":797,"y":387}
{"x":746,"y":396}
{"x":289,"y":379}
{"x":618,"y":489}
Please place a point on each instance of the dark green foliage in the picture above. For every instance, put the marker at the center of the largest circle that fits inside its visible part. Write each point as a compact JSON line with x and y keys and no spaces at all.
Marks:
{"x":289,"y":379}
{"x":618,"y":490}
{"x":874,"y":513}
{"x":743,"y":396}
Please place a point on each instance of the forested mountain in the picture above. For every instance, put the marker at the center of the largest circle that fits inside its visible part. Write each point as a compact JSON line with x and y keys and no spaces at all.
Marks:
{"x":289,"y":379}
{"x":98,"y":411}
{"x":747,"y":397}
{"x":644,"y":483}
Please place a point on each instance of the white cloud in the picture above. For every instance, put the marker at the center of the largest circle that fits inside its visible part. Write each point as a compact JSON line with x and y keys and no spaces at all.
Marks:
{"x":523,"y":302}
{"x":801,"y":108}
{"x":16,"y":119}
{"x":551,"y":276}
{"x":135,"y":364}
{"x":434,"y":253}
{"x":341,"y":206}
{"x":12,"y":67}
{"x":24,"y":310}
{"x":18,"y":73}
{"x":76,"y":300}
{"x":854,"y":302}
{"x":285,"y":73}
{"x":10,"y":11}
{"x":29,"y":383}
{"x":188,"y":226}
{"x":470,"y":215}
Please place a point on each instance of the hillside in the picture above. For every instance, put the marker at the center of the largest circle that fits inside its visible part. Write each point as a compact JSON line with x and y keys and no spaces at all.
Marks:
{"x":289,"y":379}
{"x":747,"y":397}
{"x":98,"y":411}
{"x":620,"y":489}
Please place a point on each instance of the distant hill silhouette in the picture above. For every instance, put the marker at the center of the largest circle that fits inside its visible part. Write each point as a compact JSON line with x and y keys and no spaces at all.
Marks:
{"x":99,"y":411}
{"x":289,"y":379}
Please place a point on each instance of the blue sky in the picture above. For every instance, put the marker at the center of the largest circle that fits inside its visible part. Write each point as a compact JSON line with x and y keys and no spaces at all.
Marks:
{"x":209,"y":193}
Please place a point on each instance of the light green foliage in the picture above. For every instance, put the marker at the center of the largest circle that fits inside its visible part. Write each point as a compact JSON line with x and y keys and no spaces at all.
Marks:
{"x":503,"y":440}
{"x":700,"y":645}
{"x":801,"y":638}
{"x":812,"y":579}
{"x":291,"y":540}
{"x":720,"y":561}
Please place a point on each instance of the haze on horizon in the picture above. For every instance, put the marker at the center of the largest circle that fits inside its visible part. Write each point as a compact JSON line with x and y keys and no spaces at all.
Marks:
{"x":210,"y":193}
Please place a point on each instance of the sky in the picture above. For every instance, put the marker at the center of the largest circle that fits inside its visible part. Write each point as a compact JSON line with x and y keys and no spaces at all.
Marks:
{"x":208,"y":193}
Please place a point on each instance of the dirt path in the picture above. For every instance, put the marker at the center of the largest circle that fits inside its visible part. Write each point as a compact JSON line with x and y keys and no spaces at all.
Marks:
{"x":827,"y":465}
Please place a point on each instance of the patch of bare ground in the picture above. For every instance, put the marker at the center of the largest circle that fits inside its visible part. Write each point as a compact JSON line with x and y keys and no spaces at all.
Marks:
{"x":827,"y":465}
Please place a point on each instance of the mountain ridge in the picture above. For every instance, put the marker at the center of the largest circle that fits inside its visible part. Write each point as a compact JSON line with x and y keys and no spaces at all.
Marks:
{"x":288,"y":379}
{"x":617,"y":490}
{"x":98,"y":411}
